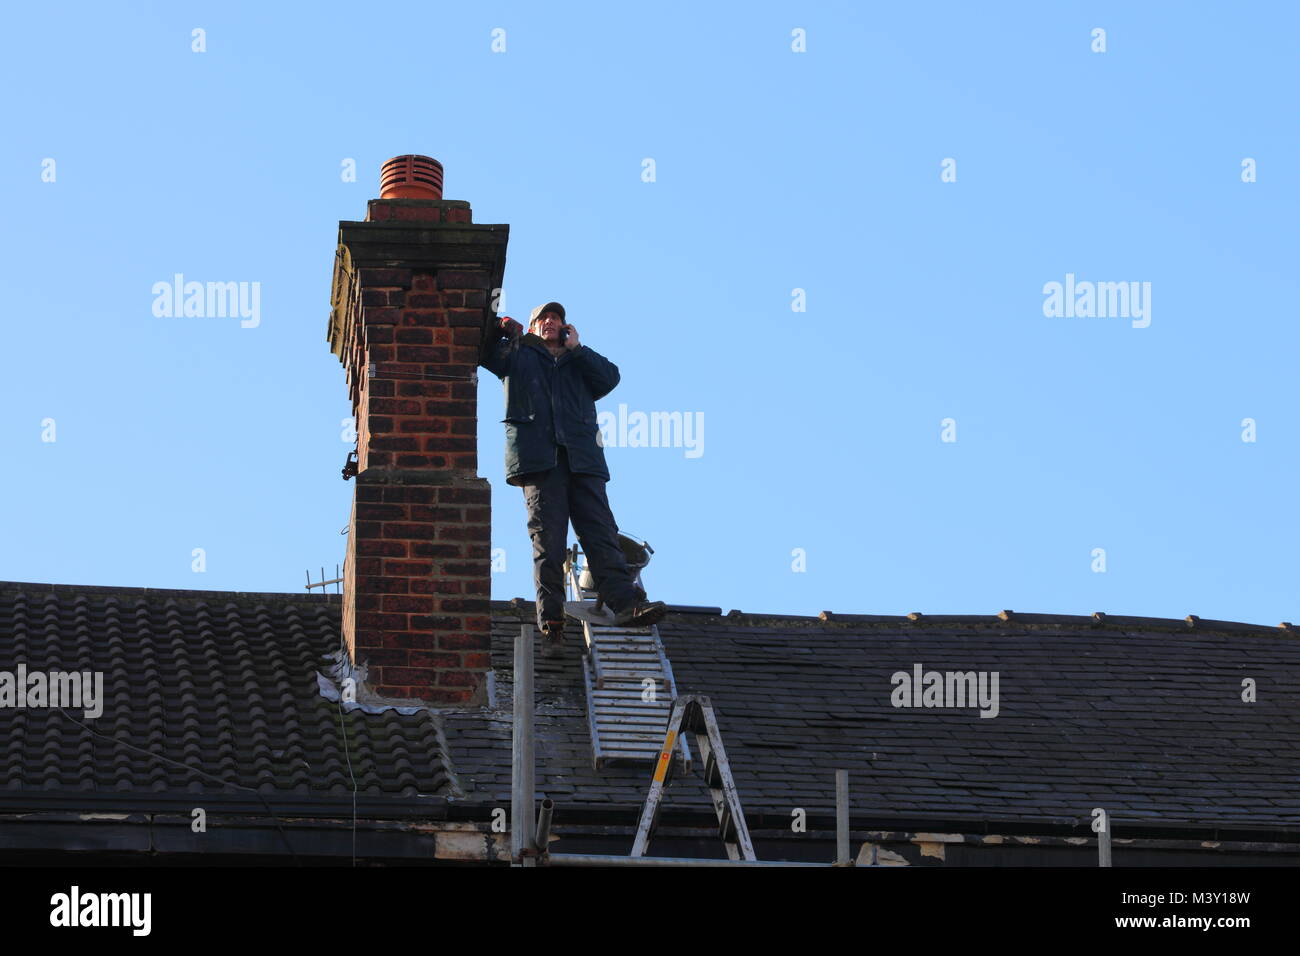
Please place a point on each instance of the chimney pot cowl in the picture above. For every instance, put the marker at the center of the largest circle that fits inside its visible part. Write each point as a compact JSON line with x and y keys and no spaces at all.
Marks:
{"x":411,"y":177}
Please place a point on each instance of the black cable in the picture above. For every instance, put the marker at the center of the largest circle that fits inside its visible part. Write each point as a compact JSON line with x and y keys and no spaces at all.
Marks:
{"x":202,"y":773}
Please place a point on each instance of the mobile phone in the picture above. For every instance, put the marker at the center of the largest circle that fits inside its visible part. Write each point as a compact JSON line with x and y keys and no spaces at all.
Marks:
{"x":564,"y":333}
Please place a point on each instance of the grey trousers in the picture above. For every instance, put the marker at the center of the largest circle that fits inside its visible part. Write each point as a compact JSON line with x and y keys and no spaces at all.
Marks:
{"x":554,"y":498}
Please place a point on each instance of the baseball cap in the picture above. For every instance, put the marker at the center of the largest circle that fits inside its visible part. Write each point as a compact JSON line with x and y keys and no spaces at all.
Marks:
{"x":548,"y":307}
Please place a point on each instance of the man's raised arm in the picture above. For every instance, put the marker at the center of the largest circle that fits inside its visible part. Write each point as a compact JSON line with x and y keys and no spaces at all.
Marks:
{"x":496,"y":354}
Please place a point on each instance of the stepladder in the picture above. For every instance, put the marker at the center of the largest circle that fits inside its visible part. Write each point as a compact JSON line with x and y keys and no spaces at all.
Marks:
{"x":693,"y":714}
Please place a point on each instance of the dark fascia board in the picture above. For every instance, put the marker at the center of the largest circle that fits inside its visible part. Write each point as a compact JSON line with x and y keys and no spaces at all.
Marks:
{"x":600,"y":818}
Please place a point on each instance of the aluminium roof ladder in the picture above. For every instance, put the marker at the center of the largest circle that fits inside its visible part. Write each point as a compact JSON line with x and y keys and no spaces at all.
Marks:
{"x":628,"y":679}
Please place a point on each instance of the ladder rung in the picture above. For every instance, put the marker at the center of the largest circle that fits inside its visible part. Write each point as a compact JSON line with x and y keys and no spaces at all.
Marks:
{"x":657,"y":682}
{"x":650,"y":720}
{"x":712,"y":778}
{"x":726,"y":826}
{"x":642,"y":731}
{"x":643,"y":744}
{"x":629,"y":755}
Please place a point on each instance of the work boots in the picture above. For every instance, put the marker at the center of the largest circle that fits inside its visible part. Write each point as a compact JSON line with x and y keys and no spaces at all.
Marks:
{"x":640,"y":614}
{"x":553,"y":639}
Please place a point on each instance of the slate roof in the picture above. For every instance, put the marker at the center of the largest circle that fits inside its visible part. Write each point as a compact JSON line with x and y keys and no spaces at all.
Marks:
{"x":222,"y":682}
{"x":1141,"y":716}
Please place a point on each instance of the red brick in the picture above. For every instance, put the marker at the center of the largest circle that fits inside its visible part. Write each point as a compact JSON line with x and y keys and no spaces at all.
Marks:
{"x":456,"y":642}
{"x":412,"y":605}
{"x":381,"y":315}
{"x":411,"y":675}
{"x":417,"y":213}
{"x":431,"y":513}
{"x":377,"y":621}
{"x":392,"y":549}
{"x":424,"y":353}
{"x":428,"y":623}
{"x":458,"y":678}
{"x":388,"y":277}
{"x":470,"y":496}
{"x":471,"y":532}
{"x":439,"y":586}
{"x":398,"y":406}
{"x":464,"y":605}
{"x":409,"y":640}
{"x":427,"y":549}
{"x":433,"y":659}
{"x":463,"y":278}
{"x":423,"y":319}
{"x":413,"y":335}
{"x":425,"y":426}
{"x":444,"y":443}
{"x":408,"y":569}
{"x":395,"y":656}
{"x":419,"y":461}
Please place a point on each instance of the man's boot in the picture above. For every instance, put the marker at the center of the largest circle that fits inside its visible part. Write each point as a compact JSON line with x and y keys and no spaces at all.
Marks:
{"x":640,"y":614}
{"x":553,"y":639}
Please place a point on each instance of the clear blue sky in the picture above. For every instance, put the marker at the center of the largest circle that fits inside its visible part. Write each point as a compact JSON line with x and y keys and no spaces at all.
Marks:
{"x":775,"y":171}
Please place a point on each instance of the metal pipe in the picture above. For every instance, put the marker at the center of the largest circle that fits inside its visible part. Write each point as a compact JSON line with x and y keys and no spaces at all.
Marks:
{"x":842,"y":818}
{"x":590,"y":859}
{"x":544,"y":824}
{"x":523,"y":784}
{"x":1103,"y":840}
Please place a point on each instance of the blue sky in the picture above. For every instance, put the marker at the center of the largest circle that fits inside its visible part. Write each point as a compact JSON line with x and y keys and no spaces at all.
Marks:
{"x":774,"y":171}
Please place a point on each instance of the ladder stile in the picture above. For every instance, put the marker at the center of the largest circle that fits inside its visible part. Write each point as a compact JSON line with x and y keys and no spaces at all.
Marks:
{"x":650,"y":812}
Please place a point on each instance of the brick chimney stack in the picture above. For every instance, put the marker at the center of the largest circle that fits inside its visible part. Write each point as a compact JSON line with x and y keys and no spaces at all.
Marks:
{"x":410,"y":311}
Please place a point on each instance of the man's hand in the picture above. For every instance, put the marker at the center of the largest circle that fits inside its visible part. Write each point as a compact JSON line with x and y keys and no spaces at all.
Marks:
{"x":571,"y":337}
{"x":510,"y":328}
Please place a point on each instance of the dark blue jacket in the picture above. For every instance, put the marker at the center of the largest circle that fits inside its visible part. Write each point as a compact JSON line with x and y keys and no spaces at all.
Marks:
{"x":550,"y":401}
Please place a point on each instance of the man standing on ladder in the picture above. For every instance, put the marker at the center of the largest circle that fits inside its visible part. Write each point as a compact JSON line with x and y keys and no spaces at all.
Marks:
{"x":553,"y":452}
